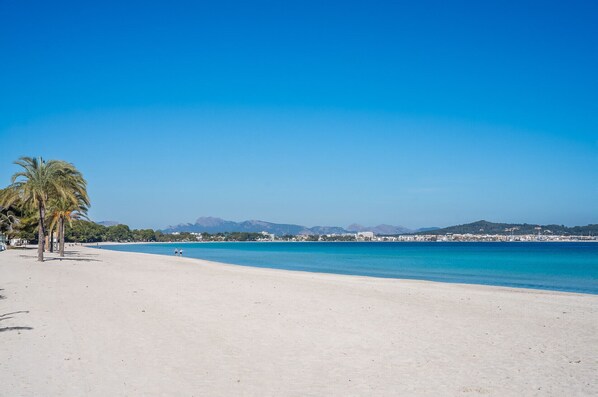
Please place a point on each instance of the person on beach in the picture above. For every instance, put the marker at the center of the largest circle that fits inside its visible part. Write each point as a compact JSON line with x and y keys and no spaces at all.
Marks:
{"x":181,"y":252}
{"x":176,"y":252}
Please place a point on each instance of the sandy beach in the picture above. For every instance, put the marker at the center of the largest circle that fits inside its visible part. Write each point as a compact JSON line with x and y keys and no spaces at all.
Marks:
{"x":106,"y":323}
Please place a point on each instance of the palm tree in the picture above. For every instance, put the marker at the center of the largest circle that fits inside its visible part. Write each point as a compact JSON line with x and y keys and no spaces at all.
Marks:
{"x":51,"y":230}
{"x":38,"y":183}
{"x":8,"y":220}
{"x":65,"y":211}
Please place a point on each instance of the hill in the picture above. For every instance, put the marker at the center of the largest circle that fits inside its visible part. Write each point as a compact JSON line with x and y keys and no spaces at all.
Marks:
{"x":381,"y":230}
{"x":485,"y":227}
{"x":217,"y":225}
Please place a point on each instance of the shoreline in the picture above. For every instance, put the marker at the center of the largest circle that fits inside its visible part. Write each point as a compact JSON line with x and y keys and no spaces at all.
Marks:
{"x":489,"y":284}
{"x":102,"y":322}
{"x":338,"y":242}
{"x":357,"y":276}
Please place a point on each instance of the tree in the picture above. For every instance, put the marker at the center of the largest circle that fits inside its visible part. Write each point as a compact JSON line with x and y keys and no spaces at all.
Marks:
{"x":65,"y":211}
{"x":81,"y":231}
{"x":22,"y":223}
{"x":119,"y":233}
{"x":7,"y":220}
{"x":37,"y":183}
{"x":145,"y":235}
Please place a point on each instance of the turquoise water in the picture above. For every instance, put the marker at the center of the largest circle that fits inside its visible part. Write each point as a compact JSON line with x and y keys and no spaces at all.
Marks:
{"x":552,"y":266}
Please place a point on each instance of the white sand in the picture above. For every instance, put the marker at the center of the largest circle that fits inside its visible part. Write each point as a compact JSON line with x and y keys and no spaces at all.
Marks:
{"x":107,"y":323}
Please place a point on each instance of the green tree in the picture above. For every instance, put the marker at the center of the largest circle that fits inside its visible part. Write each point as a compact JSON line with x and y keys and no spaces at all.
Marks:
{"x":119,"y":233}
{"x":37,"y":183}
{"x":63,"y":211}
{"x":8,"y":220}
{"x":81,"y":231}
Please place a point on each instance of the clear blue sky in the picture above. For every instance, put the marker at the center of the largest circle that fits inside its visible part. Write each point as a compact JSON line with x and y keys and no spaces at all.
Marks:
{"x":410,"y":113}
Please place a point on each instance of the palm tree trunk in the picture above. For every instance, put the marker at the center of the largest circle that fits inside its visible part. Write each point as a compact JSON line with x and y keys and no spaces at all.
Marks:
{"x":52,"y":240}
{"x":61,"y":233}
{"x":40,"y":234}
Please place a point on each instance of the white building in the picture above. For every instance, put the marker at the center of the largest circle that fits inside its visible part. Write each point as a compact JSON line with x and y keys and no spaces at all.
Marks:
{"x":364,"y":236}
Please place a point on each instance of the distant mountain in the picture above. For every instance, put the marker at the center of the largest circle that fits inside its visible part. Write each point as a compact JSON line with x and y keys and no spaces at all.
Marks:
{"x":384,"y":230}
{"x":327,"y":230}
{"x":218,"y":225}
{"x":426,"y":229}
{"x":108,"y":223}
{"x":485,"y":227}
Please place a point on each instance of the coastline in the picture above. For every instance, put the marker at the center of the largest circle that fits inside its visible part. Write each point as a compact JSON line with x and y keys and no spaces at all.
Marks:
{"x":116,"y":323}
{"x":352,"y":276}
{"x":341,"y":242}
{"x":522,"y":281}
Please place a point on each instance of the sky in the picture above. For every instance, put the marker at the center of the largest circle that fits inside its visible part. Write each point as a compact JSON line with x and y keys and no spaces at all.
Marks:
{"x":420,"y":114}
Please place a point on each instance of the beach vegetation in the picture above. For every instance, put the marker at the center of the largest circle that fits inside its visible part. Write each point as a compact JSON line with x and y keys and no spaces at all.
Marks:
{"x":8,"y":220}
{"x":144,"y":235}
{"x":37,"y":184}
{"x":119,"y":233}
{"x":83,"y":231}
{"x":63,"y":211}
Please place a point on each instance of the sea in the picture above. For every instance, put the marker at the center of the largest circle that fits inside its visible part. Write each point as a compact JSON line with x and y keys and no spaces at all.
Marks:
{"x":558,"y":266}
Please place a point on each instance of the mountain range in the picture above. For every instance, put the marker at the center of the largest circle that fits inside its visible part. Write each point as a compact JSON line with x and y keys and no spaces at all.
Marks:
{"x":218,"y":225}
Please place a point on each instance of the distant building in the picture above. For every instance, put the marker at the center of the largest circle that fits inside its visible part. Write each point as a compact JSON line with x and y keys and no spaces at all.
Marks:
{"x":268,"y":236}
{"x":363,"y":236}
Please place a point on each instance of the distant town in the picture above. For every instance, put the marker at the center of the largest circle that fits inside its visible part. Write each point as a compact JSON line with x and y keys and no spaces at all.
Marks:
{"x":471,"y":232}
{"x":370,"y":236}
{"x":81,"y":231}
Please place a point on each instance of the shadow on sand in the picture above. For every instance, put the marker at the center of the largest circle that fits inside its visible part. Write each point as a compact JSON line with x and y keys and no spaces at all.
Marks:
{"x":68,"y":259}
{"x":72,"y":256}
{"x":8,"y":316}
{"x":15,"y":329}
